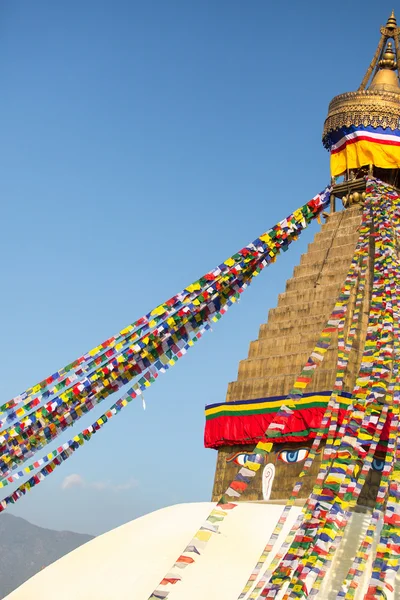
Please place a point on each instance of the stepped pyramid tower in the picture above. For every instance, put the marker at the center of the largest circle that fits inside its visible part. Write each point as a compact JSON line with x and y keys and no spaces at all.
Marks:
{"x":355,"y":122}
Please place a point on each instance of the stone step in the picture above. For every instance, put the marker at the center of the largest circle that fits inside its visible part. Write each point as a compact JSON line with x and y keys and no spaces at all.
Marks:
{"x":289,"y":317}
{"x":281,"y":364}
{"x":348,"y":225}
{"x":288,"y":344}
{"x":326,"y":244}
{"x":349,"y":216}
{"x":318,"y":257}
{"x":263,"y":387}
{"x":336,"y":267}
{"x":310,"y":323}
{"x":310,"y":294}
{"x":317,"y":280}
{"x":299,"y":312}
{"x":314,"y":293}
{"x":336,"y":237}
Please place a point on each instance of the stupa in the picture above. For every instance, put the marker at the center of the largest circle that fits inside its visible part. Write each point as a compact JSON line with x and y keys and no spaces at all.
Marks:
{"x":360,"y":128}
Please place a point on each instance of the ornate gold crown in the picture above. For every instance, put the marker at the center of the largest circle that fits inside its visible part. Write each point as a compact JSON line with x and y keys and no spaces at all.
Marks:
{"x":378,"y":104}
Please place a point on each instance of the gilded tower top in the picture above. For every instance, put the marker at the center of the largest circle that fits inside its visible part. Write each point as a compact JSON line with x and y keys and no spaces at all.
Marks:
{"x":376,"y":103}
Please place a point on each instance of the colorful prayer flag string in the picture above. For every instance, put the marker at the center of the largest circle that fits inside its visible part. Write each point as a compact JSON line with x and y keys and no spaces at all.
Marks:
{"x":269,"y":245}
{"x":144,"y":349}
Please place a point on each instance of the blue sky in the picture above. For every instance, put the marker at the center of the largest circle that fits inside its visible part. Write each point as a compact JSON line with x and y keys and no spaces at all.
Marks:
{"x":142,"y":143}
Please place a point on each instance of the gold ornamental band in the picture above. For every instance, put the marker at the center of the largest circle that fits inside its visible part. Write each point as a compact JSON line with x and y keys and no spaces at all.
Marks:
{"x":364,"y":107}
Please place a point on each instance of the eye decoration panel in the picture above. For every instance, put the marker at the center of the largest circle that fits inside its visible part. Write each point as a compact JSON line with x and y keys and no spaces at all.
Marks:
{"x":280,"y":471}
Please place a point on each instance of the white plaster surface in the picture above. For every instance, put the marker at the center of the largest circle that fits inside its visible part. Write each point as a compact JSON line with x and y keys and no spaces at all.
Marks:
{"x":129,"y":561}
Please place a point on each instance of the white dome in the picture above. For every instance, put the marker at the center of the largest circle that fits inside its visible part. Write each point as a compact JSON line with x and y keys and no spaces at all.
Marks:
{"x":130,"y":561}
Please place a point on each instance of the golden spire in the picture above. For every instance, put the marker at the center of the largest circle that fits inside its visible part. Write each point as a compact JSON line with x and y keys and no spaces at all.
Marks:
{"x":377,"y":101}
{"x":391,"y":22}
{"x":385,"y":51}
{"x":388,"y":60}
{"x":385,"y":78}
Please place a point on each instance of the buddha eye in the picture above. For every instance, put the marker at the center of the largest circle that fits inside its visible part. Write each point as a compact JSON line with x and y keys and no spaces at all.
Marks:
{"x":241,"y":458}
{"x":378,"y":464}
{"x":293,"y":456}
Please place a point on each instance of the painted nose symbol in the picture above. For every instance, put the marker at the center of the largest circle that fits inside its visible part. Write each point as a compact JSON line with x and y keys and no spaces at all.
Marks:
{"x":267,"y":480}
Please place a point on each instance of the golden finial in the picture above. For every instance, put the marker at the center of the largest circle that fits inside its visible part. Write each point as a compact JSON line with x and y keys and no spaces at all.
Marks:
{"x":376,"y":104}
{"x":391,"y":23}
{"x":388,"y":60}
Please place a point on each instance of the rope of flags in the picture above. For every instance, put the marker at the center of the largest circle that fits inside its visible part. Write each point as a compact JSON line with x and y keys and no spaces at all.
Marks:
{"x":357,"y":568}
{"x":267,"y":247}
{"x":149,"y":346}
{"x":48,"y":421}
{"x":387,"y":558}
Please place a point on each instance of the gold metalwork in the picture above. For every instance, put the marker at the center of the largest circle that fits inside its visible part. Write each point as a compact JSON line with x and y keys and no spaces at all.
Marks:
{"x":391,"y":21}
{"x":350,"y":192}
{"x":397,"y":46}
{"x":379,"y":105}
{"x":374,"y":61}
{"x":390,"y":31}
{"x":388,"y":60}
{"x":391,"y":26}
{"x":378,"y":108}
{"x":385,"y":80}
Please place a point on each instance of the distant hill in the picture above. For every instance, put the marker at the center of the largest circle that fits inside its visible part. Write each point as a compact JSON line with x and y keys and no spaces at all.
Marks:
{"x":26,"y":548}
